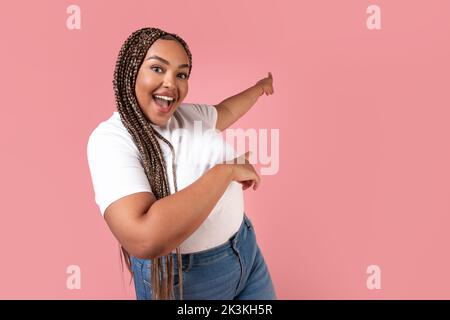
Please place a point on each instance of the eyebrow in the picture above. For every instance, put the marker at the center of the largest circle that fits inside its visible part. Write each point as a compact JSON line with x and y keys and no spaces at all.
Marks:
{"x":167,"y":62}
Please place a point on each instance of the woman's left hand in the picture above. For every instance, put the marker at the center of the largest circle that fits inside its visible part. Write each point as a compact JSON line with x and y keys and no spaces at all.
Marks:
{"x":266,"y":85}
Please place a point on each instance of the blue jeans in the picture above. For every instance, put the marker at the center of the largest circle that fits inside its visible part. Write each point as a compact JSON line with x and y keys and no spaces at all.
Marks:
{"x":235,"y":270}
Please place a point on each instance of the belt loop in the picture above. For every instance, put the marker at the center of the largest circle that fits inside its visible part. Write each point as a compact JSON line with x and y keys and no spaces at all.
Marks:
{"x":190,"y":260}
{"x":247,"y":221}
{"x":235,"y":239}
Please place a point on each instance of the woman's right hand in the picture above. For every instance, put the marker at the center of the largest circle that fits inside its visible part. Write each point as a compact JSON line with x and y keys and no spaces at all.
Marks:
{"x":244,"y":172}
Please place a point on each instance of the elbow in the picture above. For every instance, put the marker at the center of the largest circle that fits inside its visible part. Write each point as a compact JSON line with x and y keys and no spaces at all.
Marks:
{"x":149,"y":248}
{"x":143,"y":247}
{"x":147,"y":252}
{"x":153,"y":243}
{"x":153,"y":251}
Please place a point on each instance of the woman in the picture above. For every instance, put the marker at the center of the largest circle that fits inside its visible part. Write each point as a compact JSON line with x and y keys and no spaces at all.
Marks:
{"x":168,"y":213}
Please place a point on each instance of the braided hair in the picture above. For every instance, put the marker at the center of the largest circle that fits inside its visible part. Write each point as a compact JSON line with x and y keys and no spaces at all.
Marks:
{"x":130,"y":58}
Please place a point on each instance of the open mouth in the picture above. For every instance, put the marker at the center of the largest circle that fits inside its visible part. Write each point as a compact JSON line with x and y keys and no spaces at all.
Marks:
{"x":164,"y":103}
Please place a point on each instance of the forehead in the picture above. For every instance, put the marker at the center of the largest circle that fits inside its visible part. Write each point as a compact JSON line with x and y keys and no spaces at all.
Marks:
{"x":168,"y":49}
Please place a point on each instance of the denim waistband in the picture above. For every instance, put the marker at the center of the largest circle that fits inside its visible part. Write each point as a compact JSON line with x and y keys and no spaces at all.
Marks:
{"x":189,"y":259}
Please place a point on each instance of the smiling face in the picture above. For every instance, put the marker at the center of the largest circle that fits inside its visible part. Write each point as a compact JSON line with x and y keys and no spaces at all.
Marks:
{"x":164,"y":72}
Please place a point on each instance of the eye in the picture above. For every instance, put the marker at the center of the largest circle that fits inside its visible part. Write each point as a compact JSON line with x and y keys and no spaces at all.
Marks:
{"x":156,"y":68}
{"x":183,"y":75}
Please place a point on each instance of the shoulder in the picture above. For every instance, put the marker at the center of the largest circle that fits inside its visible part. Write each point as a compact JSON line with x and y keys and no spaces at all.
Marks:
{"x":199,"y":111}
{"x":111,"y":135}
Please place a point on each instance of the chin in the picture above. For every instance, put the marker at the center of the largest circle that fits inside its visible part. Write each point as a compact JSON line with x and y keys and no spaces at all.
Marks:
{"x":162,"y":121}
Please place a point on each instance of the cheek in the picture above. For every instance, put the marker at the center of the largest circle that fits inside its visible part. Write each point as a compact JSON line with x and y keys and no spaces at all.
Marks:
{"x":144,"y":81}
{"x":144,"y":85}
{"x":184,"y":88}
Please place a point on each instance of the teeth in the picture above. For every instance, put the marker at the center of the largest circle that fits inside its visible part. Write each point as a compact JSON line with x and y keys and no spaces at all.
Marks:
{"x":164,"y":98}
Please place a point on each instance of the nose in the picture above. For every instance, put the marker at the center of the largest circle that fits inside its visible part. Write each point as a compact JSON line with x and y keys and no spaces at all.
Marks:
{"x":169,"y":81}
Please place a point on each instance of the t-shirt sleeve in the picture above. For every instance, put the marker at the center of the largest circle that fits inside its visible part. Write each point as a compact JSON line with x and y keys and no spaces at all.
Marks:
{"x":207,"y":112}
{"x":115,"y":167}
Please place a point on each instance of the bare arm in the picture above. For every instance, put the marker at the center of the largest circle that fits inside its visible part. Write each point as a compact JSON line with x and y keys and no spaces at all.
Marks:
{"x":233,"y":108}
{"x":177,"y":216}
{"x":148,"y":228}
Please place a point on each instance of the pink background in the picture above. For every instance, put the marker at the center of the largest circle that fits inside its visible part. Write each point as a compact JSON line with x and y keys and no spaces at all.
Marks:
{"x":363,"y":118}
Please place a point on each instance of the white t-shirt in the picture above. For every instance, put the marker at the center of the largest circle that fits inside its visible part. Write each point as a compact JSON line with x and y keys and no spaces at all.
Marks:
{"x":117,"y":169}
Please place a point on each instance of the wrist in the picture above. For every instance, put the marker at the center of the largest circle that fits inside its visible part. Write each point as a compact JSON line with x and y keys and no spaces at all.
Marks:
{"x":260,"y":89}
{"x":228,"y":170}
